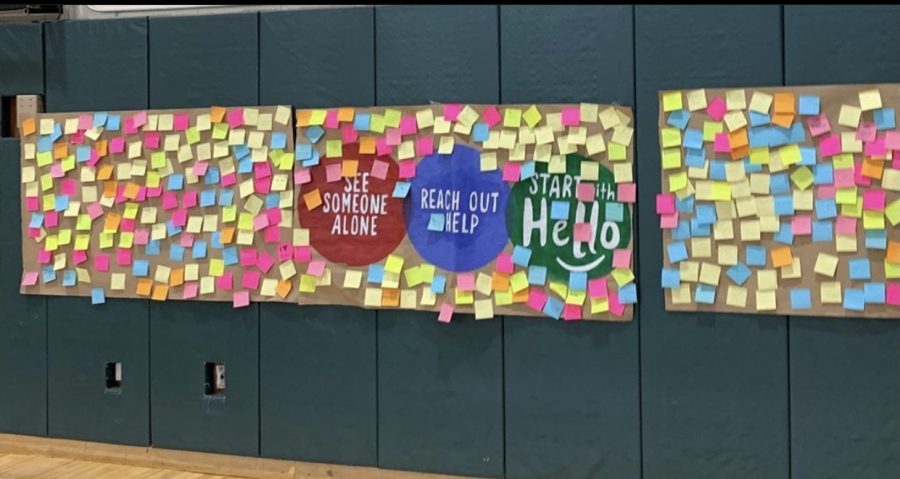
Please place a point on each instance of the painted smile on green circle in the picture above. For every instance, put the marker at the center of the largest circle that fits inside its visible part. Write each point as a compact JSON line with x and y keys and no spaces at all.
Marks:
{"x":532,"y":222}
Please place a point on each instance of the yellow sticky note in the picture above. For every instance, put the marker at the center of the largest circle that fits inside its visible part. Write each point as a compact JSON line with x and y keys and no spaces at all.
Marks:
{"x":531,"y":116}
{"x":484,"y":309}
{"x":308,"y":285}
{"x":670,"y":137}
{"x":766,"y":300}
{"x":849,"y":116}
{"x":394,"y":264}
{"x":617,"y":152}
{"x":671,"y":158}
{"x":869,"y":100}
{"x":826,"y":264}
{"x":672,"y":101}
{"x":463,"y":297}
{"x":830,"y":292}
{"x":737,"y":296}
{"x":710,"y":273}
{"x":590,"y":170}
{"x":352,"y":278}
{"x":512,"y":117}
{"x":518,"y":281}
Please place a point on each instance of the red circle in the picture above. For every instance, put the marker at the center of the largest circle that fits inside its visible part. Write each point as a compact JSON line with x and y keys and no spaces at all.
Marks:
{"x":335,"y":231}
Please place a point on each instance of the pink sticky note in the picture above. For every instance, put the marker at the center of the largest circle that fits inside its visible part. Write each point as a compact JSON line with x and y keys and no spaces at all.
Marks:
{"x":615,"y":307}
{"x":68,"y":186}
{"x":56,"y":170}
{"x":380,"y":169}
{"x":801,"y":225}
{"x":129,"y":128}
{"x":187,"y":240}
{"x":408,"y":169}
{"x":31,"y":204}
{"x":536,"y":299}
{"x":571,"y":116}
{"x":451,"y":111}
{"x":77,"y":138}
{"x":95,"y":158}
{"x":302,"y":176}
{"x":843,"y":178}
{"x":262,"y":185}
{"x":302,"y":254}
{"x":512,"y":171}
{"x":622,"y":258}
{"x":866,"y":131}
{"x":44,"y":256}
{"x":572,"y":312}
{"x":382,"y":148}
{"x":274,"y":215}
{"x":830,"y":145}
{"x":824,"y":192}
{"x":465,"y":282}
{"x":491,"y":116}
{"x":818,"y":125}
{"x":79,"y":256}
{"x":597,"y":288}
{"x":626,"y":192}
{"x":169,"y":200}
{"x":190,"y":290}
{"x":235,"y":117}
{"x":142,"y":236}
{"x":284,"y":251}
{"x":445,"y":315}
{"x":189,"y":199}
{"x":101,"y":262}
{"x":29,"y":278}
{"x":250,"y":279}
{"x":873,"y":200}
{"x":123,"y":257}
{"x":331,"y":119}
{"x":140,"y":119}
{"x":265,"y":261}
{"x":248,"y":257}
{"x":665,"y":204}
{"x":892,"y":140}
{"x":316,"y":267}
{"x":85,"y":121}
{"x":845,"y":225}
{"x":200,"y":168}
{"x":721,"y":144}
{"x":126,"y":225}
{"x":875,"y":148}
{"x":229,"y":179}
{"x":179,"y":217}
{"x":151,"y":140}
{"x":51,"y":219}
{"x":117,"y":145}
{"x":408,"y":125}
{"x":582,"y":232}
{"x":504,"y":263}
{"x":393,"y":136}
{"x":272,"y":234}
{"x":260,"y":222}
{"x":348,"y":133}
{"x":858,"y":177}
{"x":668,"y":222}
{"x":585,"y":192}
{"x":425,"y":145}
{"x":892,"y":294}
{"x":262,"y":170}
{"x":225,"y":281}
{"x":716,"y":108}
{"x":34,"y":232}
{"x":241,"y":299}
{"x":181,"y":122}
{"x":333,"y":172}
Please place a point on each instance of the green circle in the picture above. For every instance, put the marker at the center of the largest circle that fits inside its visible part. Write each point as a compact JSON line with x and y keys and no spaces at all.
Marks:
{"x":528,"y":220}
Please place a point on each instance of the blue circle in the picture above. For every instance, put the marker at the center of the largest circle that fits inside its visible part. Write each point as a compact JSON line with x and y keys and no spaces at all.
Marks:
{"x":449,"y":185}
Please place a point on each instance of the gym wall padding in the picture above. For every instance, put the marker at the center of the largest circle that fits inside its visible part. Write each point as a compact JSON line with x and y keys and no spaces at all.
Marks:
{"x":669,"y":395}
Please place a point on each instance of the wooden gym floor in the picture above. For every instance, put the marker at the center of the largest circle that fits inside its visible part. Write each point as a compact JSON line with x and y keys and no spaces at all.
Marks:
{"x":20,"y":466}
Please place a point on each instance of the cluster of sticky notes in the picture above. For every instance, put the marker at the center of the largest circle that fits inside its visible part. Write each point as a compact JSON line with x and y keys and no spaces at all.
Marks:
{"x":183,"y":204}
{"x":781,"y":200}
{"x":511,"y":140}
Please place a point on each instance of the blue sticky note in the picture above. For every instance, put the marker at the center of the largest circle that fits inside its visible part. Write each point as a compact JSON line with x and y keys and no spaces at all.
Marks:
{"x":677,"y":251}
{"x":61,"y":203}
{"x":785,"y":234}
{"x":756,"y":255}
{"x":113,"y":123}
{"x":230,"y":256}
{"x":809,"y":105}
{"x":797,"y":134}
{"x":70,"y":278}
{"x":854,"y":299}
{"x":303,"y":151}
{"x":822,"y":231}
{"x":739,"y":273}
{"x":82,"y":154}
{"x":226,"y":197}
{"x":705,"y":294}
{"x":314,"y":133}
{"x":208,"y":198}
{"x":48,"y":275}
{"x":527,"y":170}
{"x":779,"y":184}
{"x":695,"y":157}
{"x":140,"y":268}
{"x":241,"y":152}
{"x":751,"y":167}
{"x":401,"y":189}
{"x":825,"y":208}
{"x":759,"y":119}
{"x":578,"y":280}
{"x":628,"y":294}
{"x":807,"y":156}
{"x":361,"y":121}
{"x":784,"y":205}
{"x":313,"y":159}
{"x":679,"y":119}
{"x":693,"y":138}
{"x":152,"y":247}
{"x":57,"y":131}
{"x":212,"y":176}
{"x":199,"y":250}
{"x":171,"y":229}
{"x":801,"y":298}
{"x":885,"y":119}
{"x":245,"y":166}
{"x":615,"y":211}
{"x":559,"y":210}
{"x":175,"y":182}
{"x":521,"y":256}
{"x":98,"y":296}
{"x":823,"y":174}
{"x":45,"y":143}
{"x":480,"y":132}
{"x":272,"y":200}
{"x":537,"y":275}
{"x":215,"y":240}
{"x":682,"y":231}
{"x":553,"y":307}
{"x":436,"y":222}
{"x":279,"y":140}
{"x":99,"y":119}
{"x":438,"y":284}
{"x":176,"y":252}
{"x":671,"y":278}
{"x":37,"y":219}
{"x":685,"y":205}
{"x":706,"y":214}
{"x":876,"y":239}
{"x":859,"y":268}
{"x":717,"y":170}
{"x":698,"y":229}
{"x":375,"y":274}
{"x":874,"y":293}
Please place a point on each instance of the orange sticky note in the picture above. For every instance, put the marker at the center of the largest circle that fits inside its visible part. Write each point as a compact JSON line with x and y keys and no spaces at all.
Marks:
{"x":872,"y":168}
{"x":227,"y":234}
{"x":500,"y":281}
{"x":111,"y":221}
{"x":367,"y":145}
{"x":784,"y":120}
{"x":740,"y":152}
{"x":105,"y":172}
{"x":28,"y":126}
{"x":346,"y":114}
{"x":738,"y":138}
{"x":60,"y":151}
{"x":782,"y":256}
{"x":216,"y":114}
{"x":893,"y":252}
{"x":100,"y":146}
{"x":109,"y":189}
{"x":312,"y":199}
{"x":131,"y":191}
{"x":349,"y":168}
{"x":521,"y":296}
{"x":390,"y":297}
{"x":303,"y":117}
{"x":160,"y":292}
{"x":144,"y":286}
{"x":283,"y":289}
{"x":176,"y":277}
{"x":784,"y":103}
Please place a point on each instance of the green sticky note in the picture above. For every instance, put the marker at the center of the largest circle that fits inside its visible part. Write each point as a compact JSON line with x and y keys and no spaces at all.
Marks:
{"x":532,"y":116}
{"x":392,"y":118}
{"x":158,"y":159}
{"x":710,"y":128}
{"x":334,"y":148}
{"x":192,"y":135}
{"x":220,"y":131}
{"x":376,"y":123}
{"x":317,"y":117}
